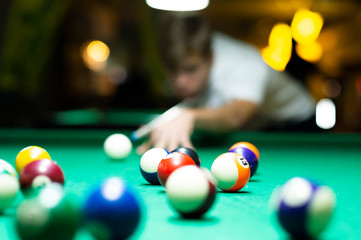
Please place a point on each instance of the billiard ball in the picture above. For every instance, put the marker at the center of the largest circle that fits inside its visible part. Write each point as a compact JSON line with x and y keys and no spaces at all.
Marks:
{"x":6,"y":167}
{"x":190,"y":191}
{"x":9,"y":187}
{"x":52,"y":214}
{"x":112,"y":210}
{"x":190,"y":152}
{"x":117,"y":146}
{"x":249,"y":152}
{"x":231,"y":171}
{"x":303,"y":208}
{"x":39,"y":173}
{"x":29,"y":154}
{"x":248,"y":145}
{"x":149,"y":164}
{"x":170,"y":163}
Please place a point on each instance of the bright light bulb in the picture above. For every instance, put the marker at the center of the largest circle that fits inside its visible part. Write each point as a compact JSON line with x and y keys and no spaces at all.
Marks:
{"x":178,"y":5}
{"x":325,"y":114}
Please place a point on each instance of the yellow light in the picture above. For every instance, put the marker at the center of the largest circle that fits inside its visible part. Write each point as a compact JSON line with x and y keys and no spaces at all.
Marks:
{"x":306,"y":26}
{"x":273,"y":59}
{"x":95,"y":55}
{"x":98,"y":51}
{"x":278,"y":53}
{"x":311,"y":52}
{"x":280,"y":36}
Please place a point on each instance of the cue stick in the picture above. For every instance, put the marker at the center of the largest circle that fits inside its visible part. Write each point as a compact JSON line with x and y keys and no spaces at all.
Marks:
{"x":167,"y":116}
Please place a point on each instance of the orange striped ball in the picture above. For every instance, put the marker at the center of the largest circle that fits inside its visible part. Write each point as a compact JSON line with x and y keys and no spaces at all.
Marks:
{"x":231,"y":171}
{"x":247,"y":145}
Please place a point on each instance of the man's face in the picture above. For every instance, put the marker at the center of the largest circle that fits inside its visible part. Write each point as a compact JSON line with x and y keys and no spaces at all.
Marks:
{"x":192,"y":77}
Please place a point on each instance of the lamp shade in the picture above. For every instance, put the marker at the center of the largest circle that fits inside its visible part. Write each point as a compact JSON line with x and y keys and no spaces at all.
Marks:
{"x":178,"y":5}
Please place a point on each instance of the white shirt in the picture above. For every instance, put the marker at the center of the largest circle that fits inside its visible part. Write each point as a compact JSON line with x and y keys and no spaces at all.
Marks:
{"x":239,"y":73}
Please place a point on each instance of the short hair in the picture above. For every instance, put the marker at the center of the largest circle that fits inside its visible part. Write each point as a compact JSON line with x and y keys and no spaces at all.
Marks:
{"x":182,"y":36}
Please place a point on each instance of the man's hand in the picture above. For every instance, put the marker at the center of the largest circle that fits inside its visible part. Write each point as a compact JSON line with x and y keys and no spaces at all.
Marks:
{"x":172,"y":134}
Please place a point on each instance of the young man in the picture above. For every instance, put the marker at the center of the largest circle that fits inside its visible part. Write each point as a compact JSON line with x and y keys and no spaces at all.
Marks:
{"x":227,"y":85}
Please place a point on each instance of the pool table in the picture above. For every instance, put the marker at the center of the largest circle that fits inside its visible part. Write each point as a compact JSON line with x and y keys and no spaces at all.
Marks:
{"x":333,"y":159}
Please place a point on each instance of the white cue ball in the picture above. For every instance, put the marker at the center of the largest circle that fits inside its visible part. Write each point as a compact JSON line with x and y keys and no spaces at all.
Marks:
{"x":9,"y":187}
{"x":117,"y":146}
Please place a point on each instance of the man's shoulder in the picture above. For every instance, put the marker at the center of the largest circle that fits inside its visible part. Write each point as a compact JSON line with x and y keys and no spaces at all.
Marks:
{"x":233,"y":55}
{"x":221,"y":41}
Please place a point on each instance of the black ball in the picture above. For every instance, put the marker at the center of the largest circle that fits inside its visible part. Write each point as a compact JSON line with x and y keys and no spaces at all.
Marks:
{"x":190,"y":152}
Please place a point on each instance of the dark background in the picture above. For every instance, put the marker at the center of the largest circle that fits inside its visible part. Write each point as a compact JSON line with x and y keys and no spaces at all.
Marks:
{"x":42,"y":71}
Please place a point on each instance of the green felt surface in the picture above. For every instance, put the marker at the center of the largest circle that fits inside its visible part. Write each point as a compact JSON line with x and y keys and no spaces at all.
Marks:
{"x":332,"y":159}
{"x":93,"y":117}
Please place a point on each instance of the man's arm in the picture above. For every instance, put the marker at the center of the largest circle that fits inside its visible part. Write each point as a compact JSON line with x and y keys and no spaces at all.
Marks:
{"x":232,"y":116}
{"x":178,"y":131}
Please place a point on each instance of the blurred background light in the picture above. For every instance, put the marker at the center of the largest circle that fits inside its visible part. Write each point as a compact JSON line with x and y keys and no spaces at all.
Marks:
{"x":178,"y":5}
{"x":306,"y":26}
{"x":98,"y":51}
{"x":95,"y":55}
{"x":117,"y":74}
{"x":331,"y":88}
{"x":325,"y":114}
{"x":358,"y":86}
{"x":311,"y":52}
{"x":278,"y":53}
